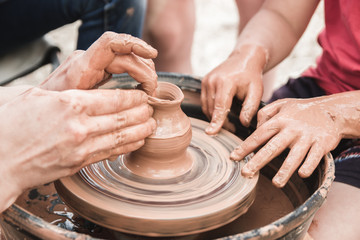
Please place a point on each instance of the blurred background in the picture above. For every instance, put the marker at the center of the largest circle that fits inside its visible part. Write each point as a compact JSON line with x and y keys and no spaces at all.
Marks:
{"x":215,"y":35}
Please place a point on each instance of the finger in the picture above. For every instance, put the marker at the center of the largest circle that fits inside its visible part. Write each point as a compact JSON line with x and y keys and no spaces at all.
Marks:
{"x":112,"y":153}
{"x":291,"y":163}
{"x":251,"y":105}
{"x":120,"y":44}
{"x":142,"y":70}
{"x":108,"y":123}
{"x":217,"y":120}
{"x":255,"y":140}
{"x":103,"y":51}
{"x":125,"y":43}
{"x":312,"y":160}
{"x":149,"y":62}
{"x":272,"y":149}
{"x":223,"y":100}
{"x":203,"y":98}
{"x":122,"y":63}
{"x":211,"y":101}
{"x":103,"y":101}
{"x":268,"y":112}
{"x":118,"y":138}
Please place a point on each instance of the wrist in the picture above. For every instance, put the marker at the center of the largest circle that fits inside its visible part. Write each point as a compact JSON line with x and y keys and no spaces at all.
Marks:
{"x":251,"y":56}
{"x":9,"y":190}
{"x":345,"y":111}
{"x":10,"y":171}
{"x":9,"y":93}
{"x":55,"y":82}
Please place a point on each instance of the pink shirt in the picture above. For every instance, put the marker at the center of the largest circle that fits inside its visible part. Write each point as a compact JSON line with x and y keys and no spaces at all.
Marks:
{"x":338,"y":68}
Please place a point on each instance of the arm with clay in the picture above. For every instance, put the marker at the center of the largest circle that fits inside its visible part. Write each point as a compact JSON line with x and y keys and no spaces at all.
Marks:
{"x":266,"y":40}
{"x":59,"y":132}
{"x":48,"y":134}
{"x":309,"y":127}
{"x":112,"y":53}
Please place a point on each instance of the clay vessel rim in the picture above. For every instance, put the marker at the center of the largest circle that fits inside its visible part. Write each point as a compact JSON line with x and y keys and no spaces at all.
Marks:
{"x":178,"y":95}
{"x":155,"y":100}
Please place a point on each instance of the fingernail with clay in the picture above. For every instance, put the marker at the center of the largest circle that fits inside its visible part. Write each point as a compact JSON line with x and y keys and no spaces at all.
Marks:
{"x":246,"y":171}
{"x":235,"y":156}
{"x":278,"y":181}
{"x":211,"y":129}
{"x":304,"y":172}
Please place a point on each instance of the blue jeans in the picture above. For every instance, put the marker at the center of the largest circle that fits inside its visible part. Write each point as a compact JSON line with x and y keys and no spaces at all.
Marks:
{"x":22,"y":21}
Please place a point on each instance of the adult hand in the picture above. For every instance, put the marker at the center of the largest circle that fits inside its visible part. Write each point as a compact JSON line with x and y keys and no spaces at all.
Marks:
{"x":112,"y":53}
{"x":310,"y":128}
{"x":48,"y":134}
{"x":241,"y":76}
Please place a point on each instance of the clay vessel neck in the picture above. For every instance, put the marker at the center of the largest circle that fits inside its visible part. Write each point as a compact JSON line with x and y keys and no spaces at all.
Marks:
{"x":164,"y":154}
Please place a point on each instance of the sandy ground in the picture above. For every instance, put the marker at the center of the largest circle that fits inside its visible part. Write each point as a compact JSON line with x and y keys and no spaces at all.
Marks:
{"x":215,"y":34}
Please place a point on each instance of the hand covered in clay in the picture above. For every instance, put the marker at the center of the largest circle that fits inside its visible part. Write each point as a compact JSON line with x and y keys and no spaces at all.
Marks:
{"x":112,"y":53}
{"x":48,"y":134}
{"x":310,"y":128}
{"x":241,"y":76}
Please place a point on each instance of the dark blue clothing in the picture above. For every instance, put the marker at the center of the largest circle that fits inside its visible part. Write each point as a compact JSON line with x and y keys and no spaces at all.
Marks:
{"x":22,"y":21}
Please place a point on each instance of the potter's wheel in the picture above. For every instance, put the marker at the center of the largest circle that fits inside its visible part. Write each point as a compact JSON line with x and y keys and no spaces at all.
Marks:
{"x":211,"y":194}
{"x":41,"y":217}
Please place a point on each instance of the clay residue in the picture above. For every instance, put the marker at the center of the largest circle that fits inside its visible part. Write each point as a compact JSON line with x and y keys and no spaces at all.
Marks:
{"x":270,"y":204}
{"x":130,"y":11}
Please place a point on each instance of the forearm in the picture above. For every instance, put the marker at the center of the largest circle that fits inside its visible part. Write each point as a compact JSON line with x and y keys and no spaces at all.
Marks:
{"x":276,"y":28}
{"x":9,"y":93}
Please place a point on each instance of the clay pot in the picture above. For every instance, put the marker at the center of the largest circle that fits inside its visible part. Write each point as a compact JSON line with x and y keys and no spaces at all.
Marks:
{"x":164,"y":154}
